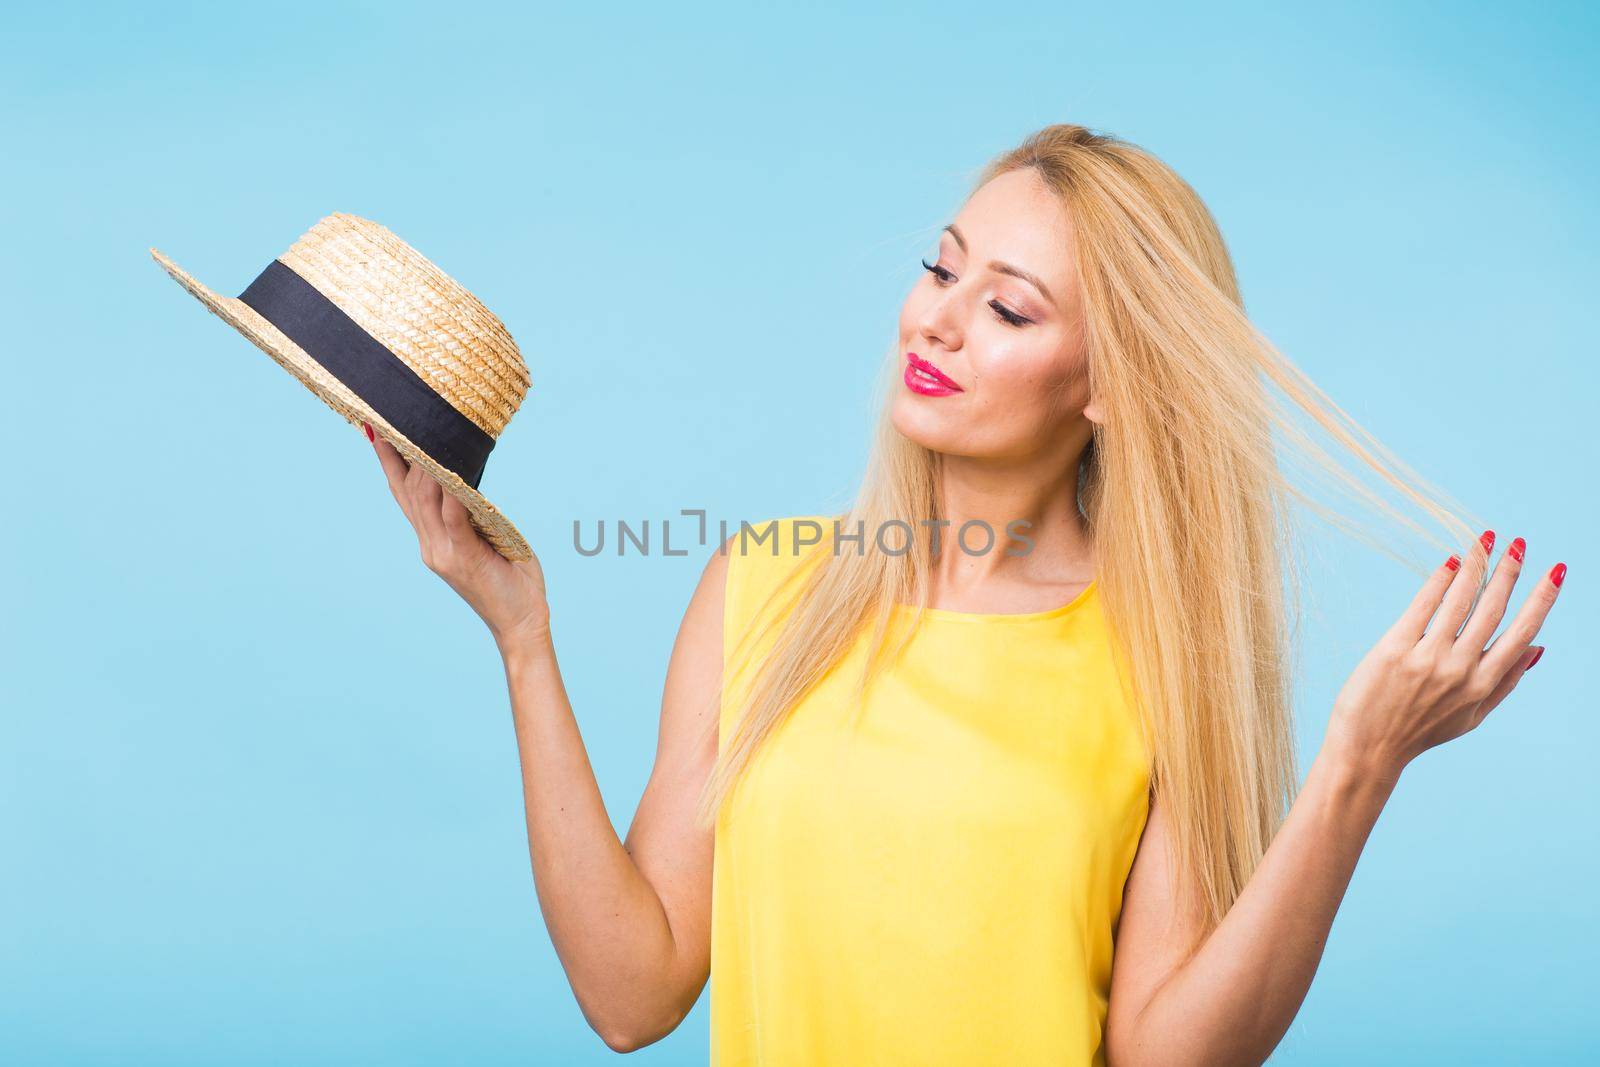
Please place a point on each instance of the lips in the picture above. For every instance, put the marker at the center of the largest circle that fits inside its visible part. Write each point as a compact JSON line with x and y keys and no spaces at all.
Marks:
{"x":928,"y":374}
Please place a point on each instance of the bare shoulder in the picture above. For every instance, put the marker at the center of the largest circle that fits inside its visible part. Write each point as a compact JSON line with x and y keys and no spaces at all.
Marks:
{"x":694,"y":671}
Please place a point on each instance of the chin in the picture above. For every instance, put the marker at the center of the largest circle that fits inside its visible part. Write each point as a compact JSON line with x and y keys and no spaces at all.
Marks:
{"x":918,"y":422}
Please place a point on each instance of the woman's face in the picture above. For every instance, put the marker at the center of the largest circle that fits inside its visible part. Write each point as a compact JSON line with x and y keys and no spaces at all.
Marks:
{"x":1008,"y":378}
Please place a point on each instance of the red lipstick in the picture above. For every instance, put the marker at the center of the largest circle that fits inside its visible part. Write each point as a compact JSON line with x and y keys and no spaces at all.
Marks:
{"x":924,"y":378}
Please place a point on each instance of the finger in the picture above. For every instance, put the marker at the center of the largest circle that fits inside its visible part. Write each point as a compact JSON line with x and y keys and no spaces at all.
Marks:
{"x":1507,"y":683}
{"x":1462,"y":592}
{"x":1491,"y":606}
{"x":457,"y":520}
{"x":395,"y":469}
{"x":1409,"y":627}
{"x":425,"y":503}
{"x":1520,"y":632}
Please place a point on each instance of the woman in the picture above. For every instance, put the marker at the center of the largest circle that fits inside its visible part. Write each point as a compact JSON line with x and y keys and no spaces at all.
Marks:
{"x":1032,"y":803}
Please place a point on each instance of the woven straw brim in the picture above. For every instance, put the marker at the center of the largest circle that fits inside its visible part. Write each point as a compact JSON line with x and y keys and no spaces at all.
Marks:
{"x":486,"y":519}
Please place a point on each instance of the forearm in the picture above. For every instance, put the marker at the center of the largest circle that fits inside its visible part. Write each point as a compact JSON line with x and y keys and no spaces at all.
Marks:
{"x":1234,"y":999}
{"x":605,"y":919}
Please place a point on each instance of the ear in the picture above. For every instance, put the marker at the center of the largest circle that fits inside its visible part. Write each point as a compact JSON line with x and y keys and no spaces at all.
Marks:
{"x":1091,"y":411}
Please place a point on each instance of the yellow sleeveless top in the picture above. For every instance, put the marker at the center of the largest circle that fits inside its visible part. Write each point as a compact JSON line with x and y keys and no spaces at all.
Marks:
{"x":935,"y":881}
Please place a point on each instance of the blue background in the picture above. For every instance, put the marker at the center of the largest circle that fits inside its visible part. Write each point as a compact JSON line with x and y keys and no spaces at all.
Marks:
{"x":259,"y":799}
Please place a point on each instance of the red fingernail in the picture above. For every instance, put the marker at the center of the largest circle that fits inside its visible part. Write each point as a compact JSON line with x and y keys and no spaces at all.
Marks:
{"x":1516,"y":549}
{"x":1558,"y":573}
{"x":1454,"y":562}
{"x":367,"y":428}
{"x":1487,"y":540}
{"x":1535,"y":659}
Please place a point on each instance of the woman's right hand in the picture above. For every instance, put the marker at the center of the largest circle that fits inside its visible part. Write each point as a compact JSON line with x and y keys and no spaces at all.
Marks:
{"x":509,"y":597}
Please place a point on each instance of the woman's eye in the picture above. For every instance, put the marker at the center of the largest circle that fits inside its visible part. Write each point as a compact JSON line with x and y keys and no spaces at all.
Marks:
{"x":1006,"y":315}
{"x":938,"y":272}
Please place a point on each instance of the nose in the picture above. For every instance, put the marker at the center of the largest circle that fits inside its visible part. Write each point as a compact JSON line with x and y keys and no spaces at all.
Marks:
{"x":939,"y":318}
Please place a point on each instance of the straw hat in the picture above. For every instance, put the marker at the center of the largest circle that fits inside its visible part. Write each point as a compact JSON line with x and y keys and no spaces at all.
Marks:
{"x":386,"y":338}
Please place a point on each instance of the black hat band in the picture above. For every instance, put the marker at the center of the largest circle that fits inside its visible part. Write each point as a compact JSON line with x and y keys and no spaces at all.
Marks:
{"x":367,"y":367}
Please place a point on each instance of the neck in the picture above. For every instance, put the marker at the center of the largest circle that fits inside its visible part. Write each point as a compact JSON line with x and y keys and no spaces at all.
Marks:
{"x":1037,"y":497}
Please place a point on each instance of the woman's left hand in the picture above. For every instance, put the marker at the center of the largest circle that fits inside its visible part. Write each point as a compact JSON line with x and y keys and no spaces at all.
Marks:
{"x":1418,"y":689}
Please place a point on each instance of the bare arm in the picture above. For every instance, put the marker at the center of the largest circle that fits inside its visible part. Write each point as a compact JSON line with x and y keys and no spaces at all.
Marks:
{"x":631,"y":922}
{"x":1233,"y":1000}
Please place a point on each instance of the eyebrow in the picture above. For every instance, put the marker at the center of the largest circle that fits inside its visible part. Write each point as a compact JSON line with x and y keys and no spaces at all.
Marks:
{"x":1004,"y":268}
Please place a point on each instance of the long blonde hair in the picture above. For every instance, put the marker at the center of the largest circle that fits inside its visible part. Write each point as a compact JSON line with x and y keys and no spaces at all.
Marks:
{"x":1183,"y":478}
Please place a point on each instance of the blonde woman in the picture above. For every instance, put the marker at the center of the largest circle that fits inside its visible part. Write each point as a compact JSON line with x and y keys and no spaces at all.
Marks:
{"x":1027,"y":803}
